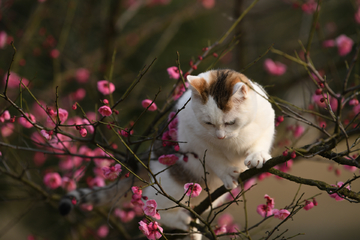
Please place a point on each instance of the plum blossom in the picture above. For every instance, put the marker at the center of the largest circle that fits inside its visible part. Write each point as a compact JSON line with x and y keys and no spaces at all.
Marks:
{"x":329,"y":43}
{"x":54,"y":53}
{"x":344,"y":44}
{"x":136,"y":197}
{"x":83,"y":132}
{"x":112,"y":172}
{"x":192,"y":189}
{"x":5,"y":116}
{"x":309,"y":7}
{"x":336,"y":195}
{"x":52,"y":180}
{"x":82,"y":75}
{"x":356,"y":16}
{"x":3,"y":38}
{"x":25,"y":123}
{"x":150,"y":105}
{"x":274,"y":68}
{"x":103,"y":231}
{"x":152,"y":230}
{"x":95,"y":182}
{"x":7,"y":129}
{"x":63,"y":116}
{"x":308,"y":205}
{"x":208,"y":4}
{"x":14,"y":80}
{"x":150,"y":209}
{"x":173,"y":72}
{"x":179,"y":90}
{"x":125,"y":216}
{"x":39,"y":158}
{"x":68,"y":184}
{"x":105,"y":111}
{"x":105,"y":87}
{"x":266,"y":209}
{"x":281,"y":214}
{"x":168,"y":160}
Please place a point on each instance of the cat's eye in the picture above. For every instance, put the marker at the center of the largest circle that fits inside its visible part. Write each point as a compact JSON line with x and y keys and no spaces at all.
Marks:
{"x":230,"y":123}
{"x":208,"y":123}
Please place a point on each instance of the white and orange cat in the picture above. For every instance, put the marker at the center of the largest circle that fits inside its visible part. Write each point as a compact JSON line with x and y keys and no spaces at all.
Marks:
{"x":230,"y":119}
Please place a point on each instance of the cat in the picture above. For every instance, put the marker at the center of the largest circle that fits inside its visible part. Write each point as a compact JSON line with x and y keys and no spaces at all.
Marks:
{"x":228,"y":123}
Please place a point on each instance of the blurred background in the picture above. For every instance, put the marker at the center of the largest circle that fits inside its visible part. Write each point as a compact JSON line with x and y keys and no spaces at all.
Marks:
{"x":72,"y":44}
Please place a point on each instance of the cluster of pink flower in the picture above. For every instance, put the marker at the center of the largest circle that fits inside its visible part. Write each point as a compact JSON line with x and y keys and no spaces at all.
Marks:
{"x":151,"y":230}
{"x":225,"y":224}
{"x":337,"y":196}
{"x":169,"y":137}
{"x":343,"y":43}
{"x":274,"y":68}
{"x":297,"y":130}
{"x":180,"y":88}
{"x":266,"y":210}
{"x":192,"y":189}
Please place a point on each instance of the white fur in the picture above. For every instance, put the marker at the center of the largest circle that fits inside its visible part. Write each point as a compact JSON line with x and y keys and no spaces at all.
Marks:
{"x":230,"y":149}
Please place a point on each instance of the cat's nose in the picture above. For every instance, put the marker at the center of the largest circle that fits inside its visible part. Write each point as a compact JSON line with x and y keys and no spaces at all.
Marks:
{"x":220,"y":134}
{"x":221,"y":137}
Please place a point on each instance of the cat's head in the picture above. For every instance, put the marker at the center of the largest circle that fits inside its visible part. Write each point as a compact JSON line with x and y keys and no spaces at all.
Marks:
{"x":223,"y":102}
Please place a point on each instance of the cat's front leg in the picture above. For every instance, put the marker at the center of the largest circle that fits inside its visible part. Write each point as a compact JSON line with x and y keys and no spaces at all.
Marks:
{"x":257,"y":159}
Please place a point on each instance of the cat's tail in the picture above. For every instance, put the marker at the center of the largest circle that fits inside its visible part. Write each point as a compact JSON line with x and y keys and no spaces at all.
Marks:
{"x":95,"y":196}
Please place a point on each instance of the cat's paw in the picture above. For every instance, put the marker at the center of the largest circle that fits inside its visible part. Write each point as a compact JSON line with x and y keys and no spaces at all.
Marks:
{"x":230,"y":177}
{"x":256,"y":159}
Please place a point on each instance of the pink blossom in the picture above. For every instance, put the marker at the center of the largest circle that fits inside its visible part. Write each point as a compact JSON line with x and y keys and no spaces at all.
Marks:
{"x":68,"y":184}
{"x":79,"y":94}
{"x":52,"y":180}
{"x":152,"y":230}
{"x":321,"y":102}
{"x":150,"y":105}
{"x":136,"y":197}
{"x":269,"y":201}
{"x":86,"y":207}
{"x":298,"y":131}
{"x":208,"y":4}
{"x":54,"y":53}
{"x":192,"y":189}
{"x":309,"y":7}
{"x":225,"y":219}
{"x":220,"y":230}
{"x":105,"y":87}
{"x":336,"y":195}
{"x":7,"y":129}
{"x":79,"y":173}
{"x":179,"y":90}
{"x":103,"y":231}
{"x":344,"y":44}
{"x":14,"y":80}
{"x":5,"y":116}
{"x":173,"y":72}
{"x":125,"y":216}
{"x":357,"y":16}
{"x":150,"y":209}
{"x":105,"y":111}
{"x":83,"y":132}
{"x":281,"y":214}
{"x":274,"y":68}
{"x":82,"y":75}
{"x":96,"y":182}
{"x":63,"y":115}
{"x":112,"y":172}
{"x":168,"y":160}
{"x":45,"y":134}
{"x":328,"y":43}
{"x":264,"y":210}
{"x":3,"y":38}
{"x":39,"y":158}
{"x":308,"y":205}
{"x":25,"y":123}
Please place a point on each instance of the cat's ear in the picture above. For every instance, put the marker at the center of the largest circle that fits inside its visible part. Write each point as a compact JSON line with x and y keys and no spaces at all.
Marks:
{"x":240,"y":89}
{"x":198,"y":86}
